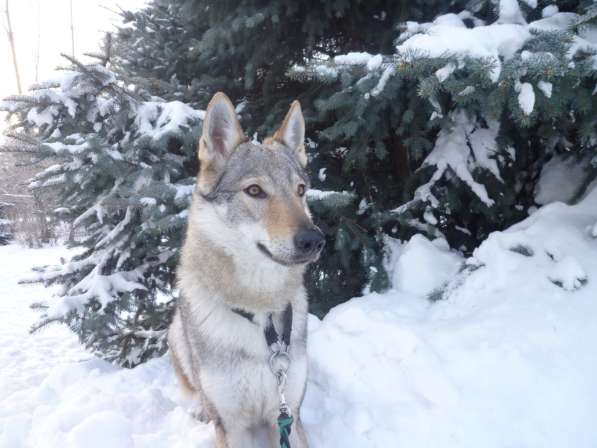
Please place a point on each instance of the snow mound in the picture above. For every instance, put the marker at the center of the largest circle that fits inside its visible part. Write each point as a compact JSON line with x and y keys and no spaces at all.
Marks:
{"x":101,"y":430}
{"x":502,"y":362}
{"x":568,"y":274}
{"x":425,"y":266}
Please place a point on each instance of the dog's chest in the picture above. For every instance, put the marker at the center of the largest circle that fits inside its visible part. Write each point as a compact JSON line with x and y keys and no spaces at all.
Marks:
{"x":234,"y":365}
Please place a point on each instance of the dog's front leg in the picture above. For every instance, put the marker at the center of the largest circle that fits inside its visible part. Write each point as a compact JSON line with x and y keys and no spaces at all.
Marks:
{"x":300,"y":437}
{"x":233,"y":436}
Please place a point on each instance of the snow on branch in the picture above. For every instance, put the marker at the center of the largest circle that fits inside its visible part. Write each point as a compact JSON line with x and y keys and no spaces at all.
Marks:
{"x":459,"y":151}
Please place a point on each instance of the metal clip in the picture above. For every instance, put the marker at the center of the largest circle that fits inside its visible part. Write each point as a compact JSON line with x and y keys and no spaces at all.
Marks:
{"x":281,"y":379}
{"x":279,"y":361}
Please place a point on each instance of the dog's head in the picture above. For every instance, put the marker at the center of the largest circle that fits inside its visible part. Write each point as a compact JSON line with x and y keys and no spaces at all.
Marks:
{"x":253,"y":194}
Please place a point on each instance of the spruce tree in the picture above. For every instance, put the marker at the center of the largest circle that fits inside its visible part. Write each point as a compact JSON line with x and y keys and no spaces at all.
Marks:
{"x":5,"y":223}
{"x":188,"y":50}
{"x":448,"y":135}
{"x":123,"y":178}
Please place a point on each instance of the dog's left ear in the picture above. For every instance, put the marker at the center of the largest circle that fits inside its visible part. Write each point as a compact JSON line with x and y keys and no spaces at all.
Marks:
{"x":292,"y":132}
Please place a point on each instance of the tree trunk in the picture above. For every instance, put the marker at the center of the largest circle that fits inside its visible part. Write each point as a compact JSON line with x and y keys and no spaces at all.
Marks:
{"x":11,"y":41}
{"x":38,"y":43}
{"x":72,"y":31}
{"x":399,"y":155}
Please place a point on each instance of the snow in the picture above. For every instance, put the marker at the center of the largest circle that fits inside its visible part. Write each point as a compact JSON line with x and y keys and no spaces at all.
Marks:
{"x":531,"y":3}
{"x":549,"y":11}
{"x":157,"y":119}
{"x":561,"y":179}
{"x":452,"y":151}
{"x":526,"y":97}
{"x":336,"y":197}
{"x":321,"y":174}
{"x":385,"y":76}
{"x":568,"y":274}
{"x":183,"y":192}
{"x":149,"y":202}
{"x":546,"y":88}
{"x":467,"y":91}
{"x":66,"y":149}
{"x":41,"y":118}
{"x":509,"y":12}
{"x":492,"y":42}
{"x":443,"y":73}
{"x":92,"y":433}
{"x":354,"y":58}
{"x":374,"y":62}
{"x":586,"y":39}
{"x":504,"y":360}
{"x":448,"y":36}
{"x":425,"y":266}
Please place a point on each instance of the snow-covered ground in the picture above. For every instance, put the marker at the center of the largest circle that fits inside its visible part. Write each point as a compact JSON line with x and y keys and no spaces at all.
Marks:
{"x":507,"y":359}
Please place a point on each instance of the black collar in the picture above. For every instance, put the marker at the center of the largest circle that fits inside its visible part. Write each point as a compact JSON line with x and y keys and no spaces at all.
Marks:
{"x":270,"y":333}
{"x":246,"y":314}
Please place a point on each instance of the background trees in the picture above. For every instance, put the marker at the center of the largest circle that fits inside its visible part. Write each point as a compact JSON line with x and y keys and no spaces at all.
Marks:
{"x":450,"y":119}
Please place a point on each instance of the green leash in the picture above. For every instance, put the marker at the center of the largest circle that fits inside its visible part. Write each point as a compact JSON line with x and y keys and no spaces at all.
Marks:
{"x":284,"y":428}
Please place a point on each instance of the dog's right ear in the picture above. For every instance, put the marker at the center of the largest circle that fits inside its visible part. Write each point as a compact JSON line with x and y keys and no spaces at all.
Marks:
{"x":222,"y":133}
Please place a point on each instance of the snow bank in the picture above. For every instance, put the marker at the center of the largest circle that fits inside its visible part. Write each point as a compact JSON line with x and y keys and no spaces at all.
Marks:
{"x":506,"y":360}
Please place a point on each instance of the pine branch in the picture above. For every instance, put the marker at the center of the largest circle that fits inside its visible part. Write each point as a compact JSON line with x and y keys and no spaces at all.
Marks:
{"x":15,"y":148}
{"x":44,"y":323}
{"x":85,"y":70}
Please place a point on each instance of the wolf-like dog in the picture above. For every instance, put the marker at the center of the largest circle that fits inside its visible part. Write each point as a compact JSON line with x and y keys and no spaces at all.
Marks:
{"x":249,"y":237}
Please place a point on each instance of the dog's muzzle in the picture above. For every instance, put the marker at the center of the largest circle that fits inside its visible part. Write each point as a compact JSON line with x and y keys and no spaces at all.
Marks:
{"x":309,"y":243}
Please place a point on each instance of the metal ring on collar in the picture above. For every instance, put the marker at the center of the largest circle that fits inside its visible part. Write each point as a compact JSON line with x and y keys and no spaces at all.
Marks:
{"x":279,"y":362}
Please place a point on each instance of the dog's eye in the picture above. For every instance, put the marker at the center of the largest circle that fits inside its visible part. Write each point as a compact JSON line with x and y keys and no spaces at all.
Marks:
{"x":255,"y":191}
{"x":301,"y":190}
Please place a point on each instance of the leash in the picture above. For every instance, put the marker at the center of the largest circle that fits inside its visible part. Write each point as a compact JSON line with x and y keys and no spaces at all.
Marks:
{"x":279,"y":362}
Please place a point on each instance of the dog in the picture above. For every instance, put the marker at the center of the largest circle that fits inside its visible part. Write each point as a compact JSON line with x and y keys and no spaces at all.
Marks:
{"x":249,"y":238}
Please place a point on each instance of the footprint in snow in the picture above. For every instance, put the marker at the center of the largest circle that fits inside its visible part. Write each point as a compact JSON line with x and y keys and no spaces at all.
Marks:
{"x":568,"y":274}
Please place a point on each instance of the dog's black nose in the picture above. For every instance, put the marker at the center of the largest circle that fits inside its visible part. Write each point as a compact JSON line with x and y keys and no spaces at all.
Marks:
{"x":309,"y":241}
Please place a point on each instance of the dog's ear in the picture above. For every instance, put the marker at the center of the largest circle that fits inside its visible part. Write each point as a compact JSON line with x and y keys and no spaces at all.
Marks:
{"x":222,"y":133}
{"x":292,"y":132}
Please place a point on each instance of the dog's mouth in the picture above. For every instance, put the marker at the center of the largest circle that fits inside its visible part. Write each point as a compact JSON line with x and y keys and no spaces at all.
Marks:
{"x":294,"y":261}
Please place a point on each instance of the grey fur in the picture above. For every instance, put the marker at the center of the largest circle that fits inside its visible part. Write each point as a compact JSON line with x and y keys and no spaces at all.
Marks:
{"x":221,"y":356}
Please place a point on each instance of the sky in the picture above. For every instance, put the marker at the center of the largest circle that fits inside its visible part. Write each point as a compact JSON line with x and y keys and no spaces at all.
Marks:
{"x":91,"y":19}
